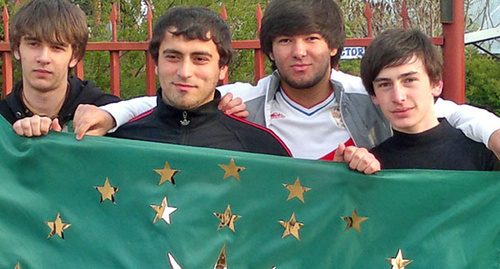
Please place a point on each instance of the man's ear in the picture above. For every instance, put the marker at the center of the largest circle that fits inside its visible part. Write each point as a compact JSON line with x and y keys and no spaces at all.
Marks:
{"x":374,"y":99}
{"x":73,"y":62}
{"x":16,"y":54}
{"x":271,"y":56}
{"x":223,"y":72}
{"x":437,"y":89}
{"x":333,"y":52}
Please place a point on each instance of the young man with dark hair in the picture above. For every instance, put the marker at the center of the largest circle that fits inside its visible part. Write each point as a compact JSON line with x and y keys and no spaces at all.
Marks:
{"x":48,"y":37}
{"x":402,"y":71}
{"x":311,"y":106}
{"x":323,"y":17}
{"x":191,"y":47}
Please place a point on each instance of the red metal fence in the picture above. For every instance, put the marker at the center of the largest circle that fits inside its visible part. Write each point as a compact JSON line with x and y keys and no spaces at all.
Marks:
{"x":454,"y":63}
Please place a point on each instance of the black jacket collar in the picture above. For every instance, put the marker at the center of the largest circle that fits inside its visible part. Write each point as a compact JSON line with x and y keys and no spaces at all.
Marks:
{"x":179,"y":118}
{"x":79,"y":92}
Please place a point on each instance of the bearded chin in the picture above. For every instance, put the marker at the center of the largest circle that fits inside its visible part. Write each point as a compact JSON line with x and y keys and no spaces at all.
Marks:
{"x":304,"y":83}
{"x":301,"y":84}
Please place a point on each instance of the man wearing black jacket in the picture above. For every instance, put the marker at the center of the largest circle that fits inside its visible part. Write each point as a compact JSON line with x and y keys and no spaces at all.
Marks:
{"x":48,"y":37}
{"x":191,"y":47}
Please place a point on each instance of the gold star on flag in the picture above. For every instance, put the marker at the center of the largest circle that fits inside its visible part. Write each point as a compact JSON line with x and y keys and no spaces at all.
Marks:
{"x":163,"y":211}
{"x":354,"y":221}
{"x":57,"y":226}
{"x":167,"y":174}
{"x":221,"y":261}
{"x":292,"y":227}
{"x":231,"y":169}
{"x":296,"y":190}
{"x":227,"y":219}
{"x":107,"y":191}
{"x":173,"y":263}
{"x":398,"y":262}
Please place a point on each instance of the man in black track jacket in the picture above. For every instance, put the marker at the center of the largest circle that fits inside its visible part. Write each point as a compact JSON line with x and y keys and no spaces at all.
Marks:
{"x":191,"y":47}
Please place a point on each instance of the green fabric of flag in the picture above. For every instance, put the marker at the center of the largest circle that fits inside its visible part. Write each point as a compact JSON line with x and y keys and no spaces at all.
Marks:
{"x":439,"y":219}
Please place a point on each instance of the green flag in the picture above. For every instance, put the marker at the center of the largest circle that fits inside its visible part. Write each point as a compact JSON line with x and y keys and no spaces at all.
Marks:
{"x":110,"y":203}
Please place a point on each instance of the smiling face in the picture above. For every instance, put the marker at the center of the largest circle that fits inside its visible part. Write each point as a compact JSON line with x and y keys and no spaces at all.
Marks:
{"x":188,"y":71}
{"x":303,"y":60}
{"x":406,"y":96}
{"x":44,"y":65}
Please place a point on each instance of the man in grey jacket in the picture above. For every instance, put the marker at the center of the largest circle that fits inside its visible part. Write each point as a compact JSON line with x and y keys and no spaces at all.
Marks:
{"x":308,"y":104}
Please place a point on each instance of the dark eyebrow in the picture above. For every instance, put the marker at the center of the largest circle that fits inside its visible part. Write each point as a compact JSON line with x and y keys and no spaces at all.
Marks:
{"x":407,"y":74}
{"x":62,"y":44}
{"x":32,"y":38}
{"x":380,"y":79}
{"x":170,"y":51}
{"x":204,"y":53}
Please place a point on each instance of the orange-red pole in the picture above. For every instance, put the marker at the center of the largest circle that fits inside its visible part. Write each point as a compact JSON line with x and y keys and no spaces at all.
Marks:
{"x":6,"y":57}
{"x":150,"y":64}
{"x":454,"y":55}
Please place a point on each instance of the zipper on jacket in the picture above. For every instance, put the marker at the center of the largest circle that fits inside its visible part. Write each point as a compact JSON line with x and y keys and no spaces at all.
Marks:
{"x":185,"y":131}
{"x":184,"y":121}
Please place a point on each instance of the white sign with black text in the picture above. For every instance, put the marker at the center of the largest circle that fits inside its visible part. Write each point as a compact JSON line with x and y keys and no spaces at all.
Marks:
{"x":352,"y":53}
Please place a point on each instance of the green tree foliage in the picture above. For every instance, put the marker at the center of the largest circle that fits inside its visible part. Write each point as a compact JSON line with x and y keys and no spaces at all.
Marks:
{"x":482,"y":78}
{"x":482,"y":72}
{"x":131,"y":26}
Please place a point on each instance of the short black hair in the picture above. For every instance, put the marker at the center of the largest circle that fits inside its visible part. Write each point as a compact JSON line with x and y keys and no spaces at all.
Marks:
{"x":193,"y":23}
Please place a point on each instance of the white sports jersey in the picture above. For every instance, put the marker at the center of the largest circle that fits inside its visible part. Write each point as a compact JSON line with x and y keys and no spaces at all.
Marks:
{"x":297,"y":126}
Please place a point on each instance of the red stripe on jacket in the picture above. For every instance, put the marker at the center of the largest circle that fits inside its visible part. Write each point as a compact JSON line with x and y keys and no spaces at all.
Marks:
{"x":262,"y":128}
